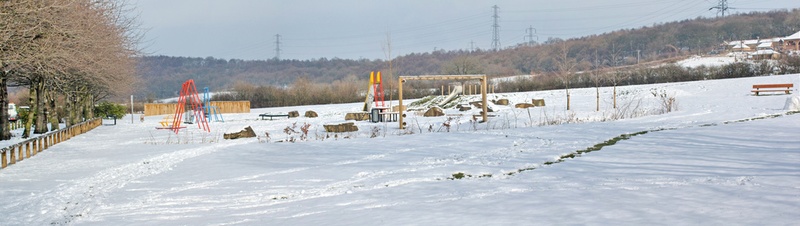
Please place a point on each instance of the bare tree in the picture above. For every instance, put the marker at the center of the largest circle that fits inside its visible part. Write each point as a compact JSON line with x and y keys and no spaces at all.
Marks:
{"x":463,"y":65}
{"x":387,"y":51}
{"x":71,"y":48}
{"x":597,"y":78}
{"x":566,"y":65}
{"x":616,"y":76}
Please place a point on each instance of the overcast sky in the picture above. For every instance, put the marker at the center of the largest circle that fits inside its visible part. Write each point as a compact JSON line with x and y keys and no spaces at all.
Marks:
{"x":356,"y":29}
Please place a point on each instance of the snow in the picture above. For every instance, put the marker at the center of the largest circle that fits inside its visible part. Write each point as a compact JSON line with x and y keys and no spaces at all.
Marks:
{"x":794,"y":36}
{"x":697,"y":61}
{"x":724,"y":157}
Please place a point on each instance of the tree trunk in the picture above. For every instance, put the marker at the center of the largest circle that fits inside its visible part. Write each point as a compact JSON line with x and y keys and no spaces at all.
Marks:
{"x":89,"y":100}
{"x":597,"y":89}
{"x":31,"y":114}
{"x":41,"y":122}
{"x":68,"y":101}
{"x":5,"y":130}
{"x":76,"y":107}
{"x":53,"y":115}
{"x":567,"y":95}
{"x":82,"y":109}
{"x":615,"y":96}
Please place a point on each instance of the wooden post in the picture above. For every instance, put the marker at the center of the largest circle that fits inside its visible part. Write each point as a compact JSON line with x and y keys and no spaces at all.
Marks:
{"x":28,"y":149}
{"x":19,"y":153}
{"x":483,"y":97}
{"x":13,"y":159}
{"x":39,"y":141}
{"x":400,"y":102}
{"x":4,"y":164}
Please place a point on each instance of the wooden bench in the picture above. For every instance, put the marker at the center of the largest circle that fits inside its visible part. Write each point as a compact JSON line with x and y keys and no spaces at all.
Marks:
{"x":389,"y":116}
{"x":270,"y":116}
{"x":759,"y":88}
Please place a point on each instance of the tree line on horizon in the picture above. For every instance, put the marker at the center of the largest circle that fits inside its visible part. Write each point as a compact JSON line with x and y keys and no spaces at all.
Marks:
{"x":618,"y":49}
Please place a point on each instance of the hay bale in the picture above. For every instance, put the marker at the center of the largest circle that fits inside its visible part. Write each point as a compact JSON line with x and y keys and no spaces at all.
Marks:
{"x":311,"y":114}
{"x":294,"y":114}
{"x":503,"y":102}
{"x":358,"y":116}
{"x":434,"y":112}
{"x":247,"y":132}
{"x":538,"y":102}
{"x":524,"y":105}
{"x":341,"y":128}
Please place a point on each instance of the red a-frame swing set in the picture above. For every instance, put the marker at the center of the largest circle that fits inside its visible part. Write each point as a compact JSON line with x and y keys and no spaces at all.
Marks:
{"x":189,"y":93}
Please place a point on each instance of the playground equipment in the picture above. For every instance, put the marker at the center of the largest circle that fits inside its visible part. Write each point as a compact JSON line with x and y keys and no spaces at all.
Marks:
{"x":188,"y":91}
{"x":456,"y":91}
{"x":211,"y":111}
{"x":375,"y":92}
{"x":402,"y":79}
{"x":374,"y":105}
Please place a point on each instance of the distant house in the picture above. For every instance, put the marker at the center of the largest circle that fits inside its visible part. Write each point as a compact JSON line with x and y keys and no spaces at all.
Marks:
{"x":792,"y":42}
{"x":766,"y":48}
{"x":765,"y":51}
{"x":739,"y":46}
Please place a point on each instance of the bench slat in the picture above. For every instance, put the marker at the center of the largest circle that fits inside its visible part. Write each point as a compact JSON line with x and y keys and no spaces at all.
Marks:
{"x":771,"y":90}
{"x":767,"y":86}
{"x":264,"y":116}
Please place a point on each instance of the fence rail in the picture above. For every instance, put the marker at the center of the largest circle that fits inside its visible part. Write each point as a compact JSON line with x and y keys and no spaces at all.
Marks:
{"x":224,"y":107}
{"x":15,"y":125}
{"x":15,"y":153}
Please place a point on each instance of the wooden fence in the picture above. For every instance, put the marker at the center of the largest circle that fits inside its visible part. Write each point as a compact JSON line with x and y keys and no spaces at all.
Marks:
{"x":15,"y":153}
{"x":224,"y":107}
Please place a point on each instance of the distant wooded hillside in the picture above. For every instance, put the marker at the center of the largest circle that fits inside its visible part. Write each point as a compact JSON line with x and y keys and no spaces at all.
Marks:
{"x":163,"y":75}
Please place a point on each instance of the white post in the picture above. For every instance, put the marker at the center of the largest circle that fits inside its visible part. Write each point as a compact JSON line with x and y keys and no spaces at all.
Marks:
{"x":131,"y":109}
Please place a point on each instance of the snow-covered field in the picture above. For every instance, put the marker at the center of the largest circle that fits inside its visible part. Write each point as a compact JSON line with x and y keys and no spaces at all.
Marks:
{"x":697,"y":61}
{"x":725,"y":157}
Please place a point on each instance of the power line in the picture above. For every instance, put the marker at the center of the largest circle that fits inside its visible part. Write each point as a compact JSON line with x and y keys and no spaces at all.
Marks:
{"x":277,"y":46}
{"x":495,"y":30}
{"x":462,"y":29}
{"x":721,"y":7}
{"x":530,"y":36}
{"x":472,"y":46}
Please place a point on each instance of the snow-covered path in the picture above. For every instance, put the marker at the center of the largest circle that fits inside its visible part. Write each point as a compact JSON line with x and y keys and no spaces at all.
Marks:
{"x":704,"y":164}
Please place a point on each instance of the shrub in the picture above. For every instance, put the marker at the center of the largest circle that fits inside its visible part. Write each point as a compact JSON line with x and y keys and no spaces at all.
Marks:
{"x":106,"y":109}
